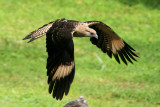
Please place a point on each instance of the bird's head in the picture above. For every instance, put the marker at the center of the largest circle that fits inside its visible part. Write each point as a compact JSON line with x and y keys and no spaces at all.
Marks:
{"x":89,"y":32}
{"x":85,"y":31}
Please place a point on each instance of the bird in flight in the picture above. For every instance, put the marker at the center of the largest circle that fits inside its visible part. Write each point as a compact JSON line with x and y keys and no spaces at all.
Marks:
{"x":59,"y":43}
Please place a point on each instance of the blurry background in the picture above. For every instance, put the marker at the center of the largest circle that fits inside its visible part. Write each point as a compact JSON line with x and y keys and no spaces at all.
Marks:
{"x":23,"y":80}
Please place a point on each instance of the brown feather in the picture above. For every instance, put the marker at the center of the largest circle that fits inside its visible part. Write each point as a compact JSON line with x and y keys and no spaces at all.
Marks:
{"x":111,"y":43}
{"x":39,"y":32}
{"x":62,"y":71}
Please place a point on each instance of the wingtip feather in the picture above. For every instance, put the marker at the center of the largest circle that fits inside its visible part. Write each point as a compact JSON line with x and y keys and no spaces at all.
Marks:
{"x":27,"y":37}
{"x":117,"y":58}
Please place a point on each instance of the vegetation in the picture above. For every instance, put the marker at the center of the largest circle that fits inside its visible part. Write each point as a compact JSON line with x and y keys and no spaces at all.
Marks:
{"x":23,"y":80}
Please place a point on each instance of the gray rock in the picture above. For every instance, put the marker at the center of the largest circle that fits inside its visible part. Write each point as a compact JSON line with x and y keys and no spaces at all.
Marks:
{"x":80,"y":102}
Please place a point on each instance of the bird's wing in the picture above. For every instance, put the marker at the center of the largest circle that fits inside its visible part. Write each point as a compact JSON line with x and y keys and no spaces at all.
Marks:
{"x":109,"y":42}
{"x":60,"y":62}
{"x":39,"y":32}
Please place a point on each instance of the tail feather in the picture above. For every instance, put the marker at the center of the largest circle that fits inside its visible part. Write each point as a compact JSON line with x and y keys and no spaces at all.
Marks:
{"x":39,"y":32}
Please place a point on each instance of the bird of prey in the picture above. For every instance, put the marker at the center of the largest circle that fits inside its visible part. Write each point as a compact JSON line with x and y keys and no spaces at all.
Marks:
{"x":59,"y":43}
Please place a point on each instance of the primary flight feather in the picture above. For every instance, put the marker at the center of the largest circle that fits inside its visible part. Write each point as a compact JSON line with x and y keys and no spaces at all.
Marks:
{"x":59,"y":43}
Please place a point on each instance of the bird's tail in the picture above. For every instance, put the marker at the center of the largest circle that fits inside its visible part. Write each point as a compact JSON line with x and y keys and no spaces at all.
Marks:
{"x":39,"y":32}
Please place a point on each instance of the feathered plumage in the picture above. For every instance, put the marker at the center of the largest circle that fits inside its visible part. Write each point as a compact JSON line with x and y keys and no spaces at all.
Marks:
{"x":60,"y":48}
{"x":39,"y":32}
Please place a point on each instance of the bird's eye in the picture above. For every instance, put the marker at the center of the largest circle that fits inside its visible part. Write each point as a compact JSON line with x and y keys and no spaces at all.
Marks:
{"x":92,"y":33}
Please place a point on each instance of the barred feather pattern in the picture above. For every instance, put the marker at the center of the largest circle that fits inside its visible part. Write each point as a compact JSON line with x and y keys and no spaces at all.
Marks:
{"x":39,"y":32}
{"x":109,"y":42}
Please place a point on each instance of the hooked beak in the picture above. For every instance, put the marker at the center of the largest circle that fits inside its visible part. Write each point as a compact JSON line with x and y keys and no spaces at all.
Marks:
{"x":96,"y":36}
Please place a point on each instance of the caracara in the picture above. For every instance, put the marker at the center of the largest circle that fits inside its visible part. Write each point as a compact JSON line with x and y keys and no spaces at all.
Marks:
{"x":59,"y":43}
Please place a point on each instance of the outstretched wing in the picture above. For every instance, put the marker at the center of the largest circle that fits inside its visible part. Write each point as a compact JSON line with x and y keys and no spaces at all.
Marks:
{"x":39,"y":32}
{"x":60,"y":62}
{"x":108,"y":41}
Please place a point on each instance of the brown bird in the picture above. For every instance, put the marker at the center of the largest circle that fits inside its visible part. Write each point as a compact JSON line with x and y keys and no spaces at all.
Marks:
{"x":60,"y":48}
